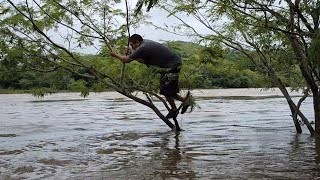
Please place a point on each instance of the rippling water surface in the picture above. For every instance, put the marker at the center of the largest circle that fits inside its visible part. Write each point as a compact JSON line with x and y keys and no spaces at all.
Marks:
{"x":234,"y":134}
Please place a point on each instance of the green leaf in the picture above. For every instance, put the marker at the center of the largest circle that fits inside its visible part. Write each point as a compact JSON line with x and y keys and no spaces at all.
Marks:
{"x":41,"y":92}
{"x":79,"y":86}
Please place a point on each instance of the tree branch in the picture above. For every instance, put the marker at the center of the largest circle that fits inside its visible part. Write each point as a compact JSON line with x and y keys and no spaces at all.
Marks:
{"x":59,"y":22}
{"x":105,"y":38}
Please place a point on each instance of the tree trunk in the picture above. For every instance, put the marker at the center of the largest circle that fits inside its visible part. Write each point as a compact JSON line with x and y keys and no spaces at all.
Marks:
{"x":285,"y":93}
{"x":296,"y":111}
{"x":306,"y":72}
{"x":290,"y":103}
{"x":146,"y":103}
{"x":176,"y":124}
{"x":295,"y":119}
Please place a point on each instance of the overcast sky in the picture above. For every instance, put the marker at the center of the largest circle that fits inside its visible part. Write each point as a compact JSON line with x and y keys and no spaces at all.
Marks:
{"x":157,"y":16}
{"x":160,"y":18}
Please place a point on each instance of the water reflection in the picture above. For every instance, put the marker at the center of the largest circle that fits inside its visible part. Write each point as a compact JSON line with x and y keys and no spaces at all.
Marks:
{"x":175,"y":163}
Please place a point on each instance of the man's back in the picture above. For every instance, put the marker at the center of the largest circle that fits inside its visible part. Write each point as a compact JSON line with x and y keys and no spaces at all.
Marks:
{"x":154,"y":53}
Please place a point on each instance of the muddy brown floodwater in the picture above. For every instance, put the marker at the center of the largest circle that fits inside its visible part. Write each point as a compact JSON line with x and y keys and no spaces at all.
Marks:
{"x":234,"y":134}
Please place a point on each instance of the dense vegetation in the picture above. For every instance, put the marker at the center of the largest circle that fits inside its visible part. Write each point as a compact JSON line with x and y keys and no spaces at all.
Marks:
{"x":200,"y":70}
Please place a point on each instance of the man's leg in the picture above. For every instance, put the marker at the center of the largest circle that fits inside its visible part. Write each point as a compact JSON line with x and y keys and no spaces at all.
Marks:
{"x":171,"y":102}
{"x":173,"y":111}
{"x":183,"y":100}
{"x":169,"y":87}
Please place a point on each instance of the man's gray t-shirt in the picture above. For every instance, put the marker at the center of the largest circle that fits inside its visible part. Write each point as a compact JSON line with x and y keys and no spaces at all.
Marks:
{"x":156,"y":54}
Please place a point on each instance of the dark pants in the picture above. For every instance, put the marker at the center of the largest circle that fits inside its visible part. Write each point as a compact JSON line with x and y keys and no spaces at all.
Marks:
{"x":169,"y":82}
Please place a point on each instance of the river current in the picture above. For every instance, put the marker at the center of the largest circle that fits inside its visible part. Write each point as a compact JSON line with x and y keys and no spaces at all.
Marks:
{"x":232,"y":134}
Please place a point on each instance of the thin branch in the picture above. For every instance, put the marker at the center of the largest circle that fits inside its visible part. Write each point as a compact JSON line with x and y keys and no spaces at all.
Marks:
{"x":295,"y":8}
{"x":44,"y":71}
{"x":49,"y":39}
{"x":105,"y":38}
{"x":59,"y":22}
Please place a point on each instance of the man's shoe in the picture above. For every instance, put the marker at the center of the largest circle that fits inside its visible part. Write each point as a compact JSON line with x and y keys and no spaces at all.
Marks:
{"x":172,"y":114}
{"x":185,"y":106}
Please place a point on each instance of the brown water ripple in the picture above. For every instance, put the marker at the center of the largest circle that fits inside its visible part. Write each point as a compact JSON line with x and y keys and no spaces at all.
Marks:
{"x":107,"y":137}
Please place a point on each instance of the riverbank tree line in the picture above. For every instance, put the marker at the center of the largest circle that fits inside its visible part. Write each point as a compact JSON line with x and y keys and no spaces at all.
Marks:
{"x":200,"y":70}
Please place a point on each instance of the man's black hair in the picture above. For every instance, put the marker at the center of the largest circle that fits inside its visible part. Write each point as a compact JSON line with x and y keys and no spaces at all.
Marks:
{"x":136,"y":37}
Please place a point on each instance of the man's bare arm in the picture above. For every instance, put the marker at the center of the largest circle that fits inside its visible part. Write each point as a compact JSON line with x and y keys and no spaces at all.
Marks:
{"x":123,"y":58}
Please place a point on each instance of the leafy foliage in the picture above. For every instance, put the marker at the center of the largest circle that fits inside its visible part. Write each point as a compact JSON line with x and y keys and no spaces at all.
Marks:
{"x":202,"y":68}
{"x":41,"y":92}
{"x":81,"y":86}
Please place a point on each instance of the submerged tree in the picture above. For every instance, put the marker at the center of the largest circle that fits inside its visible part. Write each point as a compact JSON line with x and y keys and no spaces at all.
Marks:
{"x":29,"y":28}
{"x":283,"y":34}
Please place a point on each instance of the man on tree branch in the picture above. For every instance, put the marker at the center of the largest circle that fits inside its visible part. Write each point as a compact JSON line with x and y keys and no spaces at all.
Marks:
{"x":153,"y":53}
